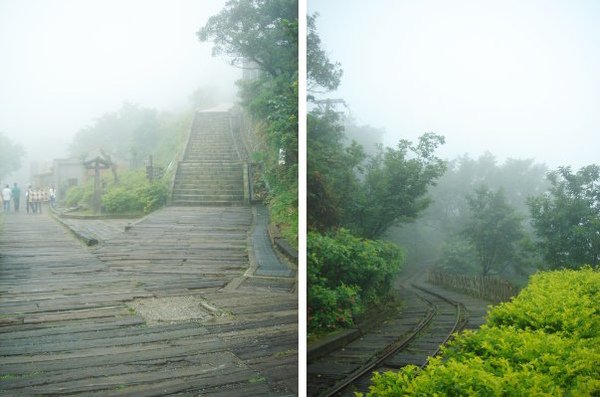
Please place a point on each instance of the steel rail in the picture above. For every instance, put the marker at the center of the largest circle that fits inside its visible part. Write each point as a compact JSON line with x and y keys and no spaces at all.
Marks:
{"x":400,"y":344}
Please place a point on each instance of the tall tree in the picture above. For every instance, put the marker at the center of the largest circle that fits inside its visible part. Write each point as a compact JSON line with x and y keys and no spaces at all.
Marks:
{"x":494,"y":229}
{"x":332,"y":170}
{"x":11,"y":155}
{"x":446,"y":216}
{"x":567,"y":218}
{"x":258,"y":31}
{"x":323,"y":75}
{"x":263,"y":35}
{"x":395,"y":186}
{"x":129,"y":133}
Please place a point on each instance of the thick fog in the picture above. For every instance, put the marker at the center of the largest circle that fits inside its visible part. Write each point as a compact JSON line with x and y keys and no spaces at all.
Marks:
{"x":517,"y":78}
{"x":65,"y":63}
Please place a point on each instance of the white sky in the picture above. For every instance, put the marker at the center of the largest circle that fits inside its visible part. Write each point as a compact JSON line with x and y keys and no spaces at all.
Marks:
{"x":64,"y":63}
{"x":518,"y":78}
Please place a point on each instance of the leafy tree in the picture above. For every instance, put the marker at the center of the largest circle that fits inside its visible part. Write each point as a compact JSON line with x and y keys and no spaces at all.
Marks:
{"x":11,"y":155}
{"x":395,"y":186}
{"x":331,"y":170}
{"x":369,"y":137}
{"x":259,"y":31}
{"x":494,"y":229}
{"x":263,"y":34}
{"x":129,"y":133}
{"x":322,"y":74}
{"x":445,"y":218}
{"x":567,"y":218}
{"x":459,"y":256}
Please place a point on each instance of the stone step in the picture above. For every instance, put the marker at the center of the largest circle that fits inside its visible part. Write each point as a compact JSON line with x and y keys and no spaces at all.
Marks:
{"x":231,"y":164}
{"x":210,"y":187}
{"x":202,"y":144}
{"x":207,"y":186}
{"x":194,"y":194}
{"x":209,"y":157}
{"x":208,"y":175}
{"x":212,"y":203}
{"x":207,"y":197}
{"x":211,"y":172}
{"x":209,"y":150}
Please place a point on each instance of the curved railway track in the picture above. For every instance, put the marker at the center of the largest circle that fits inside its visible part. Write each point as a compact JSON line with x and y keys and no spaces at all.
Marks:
{"x":427,"y":321}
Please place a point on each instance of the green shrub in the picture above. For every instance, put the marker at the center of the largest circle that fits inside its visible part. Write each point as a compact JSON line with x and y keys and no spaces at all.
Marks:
{"x":343,"y":258}
{"x":283,"y":204}
{"x":122,"y":199}
{"x":80,"y":195}
{"x":332,"y":308}
{"x":543,"y":343}
{"x":134,"y":194}
{"x":346,"y":273}
{"x":154,"y":196}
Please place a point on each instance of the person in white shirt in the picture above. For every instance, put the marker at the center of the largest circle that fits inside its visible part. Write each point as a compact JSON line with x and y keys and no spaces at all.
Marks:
{"x":6,"y":197}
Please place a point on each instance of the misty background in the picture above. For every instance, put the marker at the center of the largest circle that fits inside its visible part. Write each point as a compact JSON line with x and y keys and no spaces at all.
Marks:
{"x":517,"y":79}
{"x":64,"y":64}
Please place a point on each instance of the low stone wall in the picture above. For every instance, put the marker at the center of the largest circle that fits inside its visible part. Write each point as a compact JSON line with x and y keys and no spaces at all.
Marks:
{"x":493,"y":289}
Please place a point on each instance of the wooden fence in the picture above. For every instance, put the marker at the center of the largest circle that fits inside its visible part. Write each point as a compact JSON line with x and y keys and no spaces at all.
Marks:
{"x":493,"y":289}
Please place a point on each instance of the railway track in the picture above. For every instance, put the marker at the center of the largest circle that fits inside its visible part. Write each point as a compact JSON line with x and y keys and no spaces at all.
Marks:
{"x":427,"y":321}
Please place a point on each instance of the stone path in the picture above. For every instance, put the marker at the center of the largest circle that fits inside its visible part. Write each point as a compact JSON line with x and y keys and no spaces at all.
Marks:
{"x":150,"y":311}
{"x":267,"y":260}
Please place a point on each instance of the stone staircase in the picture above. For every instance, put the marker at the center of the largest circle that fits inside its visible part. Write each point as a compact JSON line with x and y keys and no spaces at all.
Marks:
{"x":211,"y":172}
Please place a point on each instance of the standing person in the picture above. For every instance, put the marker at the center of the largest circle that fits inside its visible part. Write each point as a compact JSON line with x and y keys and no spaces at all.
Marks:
{"x":28,"y":198}
{"x":30,"y":202}
{"x":52,"y":196}
{"x":37,"y":201}
{"x":16,"y":193}
{"x":6,"y":197}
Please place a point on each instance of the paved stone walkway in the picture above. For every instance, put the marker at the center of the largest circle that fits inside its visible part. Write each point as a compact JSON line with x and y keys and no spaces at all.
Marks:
{"x":267,"y":260}
{"x":147,"y":312}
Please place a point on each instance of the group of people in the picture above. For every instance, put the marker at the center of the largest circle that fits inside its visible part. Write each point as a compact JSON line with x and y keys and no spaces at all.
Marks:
{"x":33,"y":198}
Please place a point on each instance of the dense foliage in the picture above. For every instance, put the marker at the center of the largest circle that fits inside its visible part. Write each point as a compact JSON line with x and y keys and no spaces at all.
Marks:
{"x":567,"y":218}
{"x":263,"y":35}
{"x":322,"y":74}
{"x":11,"y":155}
{"x":132,"y":194}
{"x":133,"y":133}
{"x":438,"y":235}
{"x":345,"y":273}
{"x":394,"y":188}
{"x":366,"y":194}
{"x":353,"y":198}
{"x":494,"y":229}
{"x":544,"y":342}
{"x":332,"y":170}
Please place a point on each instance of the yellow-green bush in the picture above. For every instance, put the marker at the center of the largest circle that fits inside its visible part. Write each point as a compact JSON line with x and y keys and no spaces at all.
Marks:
{"x":543,"y":343}
{"x":563,"y":301}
